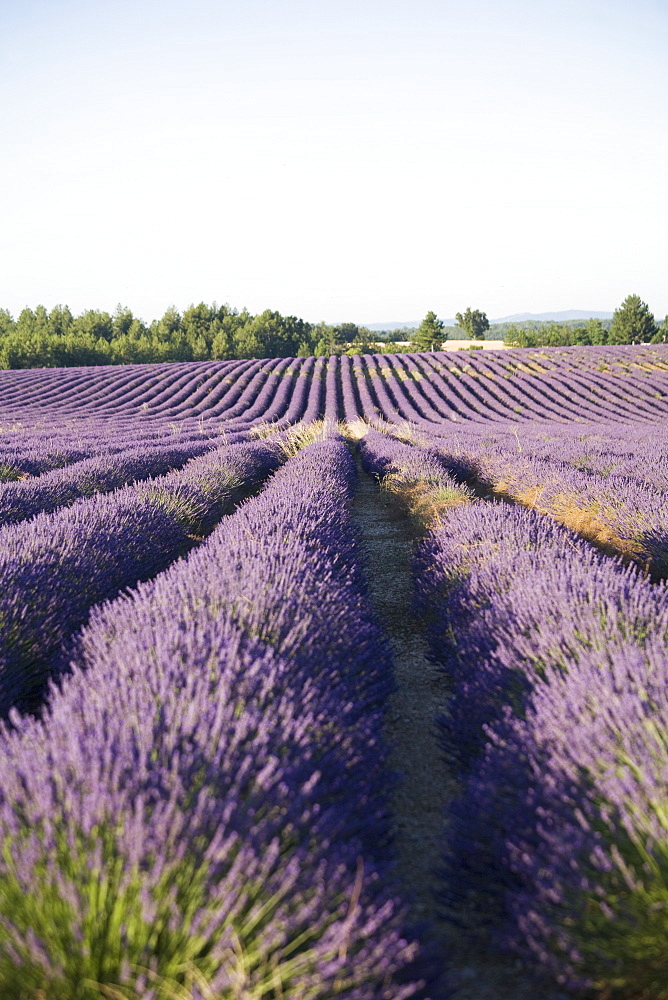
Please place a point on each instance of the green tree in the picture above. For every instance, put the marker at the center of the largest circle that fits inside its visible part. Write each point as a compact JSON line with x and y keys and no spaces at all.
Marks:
{"x":321,"y":342}
{"x":271,"y":335}
{"x":122,"y":320}
{"x":349,"y":333}
{"x":95,"y":324}
{"x":80,"y":349}
{"x":661,"y":335}
{"x":201,"y":324}
{"x":474,"y":323}
{"x":130,"y":350}
{"x":6,"y":322}
{"x":517,"y":336}
{"x":224,"y":342}
{"x":33,"y":324}
{"x":429,"y":334}
{"x":555,"y":335}
{"x":168,"y":326}
{"x":632,"y":323}
{"x":60,"y":321}
{"x":595,"y":332}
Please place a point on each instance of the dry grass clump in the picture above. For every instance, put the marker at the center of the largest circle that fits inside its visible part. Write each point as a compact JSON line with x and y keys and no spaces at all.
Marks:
{"x":263,"y":430}
{"x":354,"y":430}
{"x":290,"y":441}
{"x":425,"y":503}
{"x":302,"y":435}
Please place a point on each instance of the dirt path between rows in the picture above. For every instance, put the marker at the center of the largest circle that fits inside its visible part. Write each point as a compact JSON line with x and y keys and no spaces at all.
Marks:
{"x":427,"y":779}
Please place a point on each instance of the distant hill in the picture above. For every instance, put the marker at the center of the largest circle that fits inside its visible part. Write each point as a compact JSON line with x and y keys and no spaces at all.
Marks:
{"x":410,"y":324}
{"x":547,"y":317}
{"x":553,"y":317}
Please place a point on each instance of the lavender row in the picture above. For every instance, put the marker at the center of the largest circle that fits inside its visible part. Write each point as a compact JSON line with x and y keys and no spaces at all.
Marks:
{"x":27,"y":453}
{"x":158,"y":393}
{"x":427,"y":389}
{"x":60,"y":488}
{"x":33,"y":458}
{"x":126,"y":387}
{"x":490,"y":389}
{"x":55,"y":567}
{"x":621,"y":516}
{"x":642,"y":461}
{"x":430,"y":389}
{"x":386,"y":458}
{"x":638,"y":452}
{"x":218,"y":744}
{"x":559,"y":661}
{"x":438,"y":387}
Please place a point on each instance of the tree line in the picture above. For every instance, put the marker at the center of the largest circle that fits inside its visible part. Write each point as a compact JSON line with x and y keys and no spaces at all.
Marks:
{"x":39,"y":338}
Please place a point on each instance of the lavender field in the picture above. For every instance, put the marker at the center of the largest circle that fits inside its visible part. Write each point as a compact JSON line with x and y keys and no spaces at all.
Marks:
{"x":209,"y":777}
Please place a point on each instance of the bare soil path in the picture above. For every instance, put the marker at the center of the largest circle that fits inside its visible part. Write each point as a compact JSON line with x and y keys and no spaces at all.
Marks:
{"x":428,"y":780}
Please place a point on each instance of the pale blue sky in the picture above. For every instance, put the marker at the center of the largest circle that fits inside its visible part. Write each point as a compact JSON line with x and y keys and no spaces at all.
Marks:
{"x":337,"y":160}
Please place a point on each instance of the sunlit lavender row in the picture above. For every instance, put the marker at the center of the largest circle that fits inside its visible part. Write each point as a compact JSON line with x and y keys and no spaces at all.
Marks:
{"x":625,"y":383}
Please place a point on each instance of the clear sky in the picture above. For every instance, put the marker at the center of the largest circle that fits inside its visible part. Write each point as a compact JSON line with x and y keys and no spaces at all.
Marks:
{"x":362,"y":160}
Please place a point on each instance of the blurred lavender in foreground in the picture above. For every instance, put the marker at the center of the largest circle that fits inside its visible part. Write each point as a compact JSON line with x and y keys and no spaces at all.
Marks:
{"x":206,"y":794}
{"x":559,"y":664}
